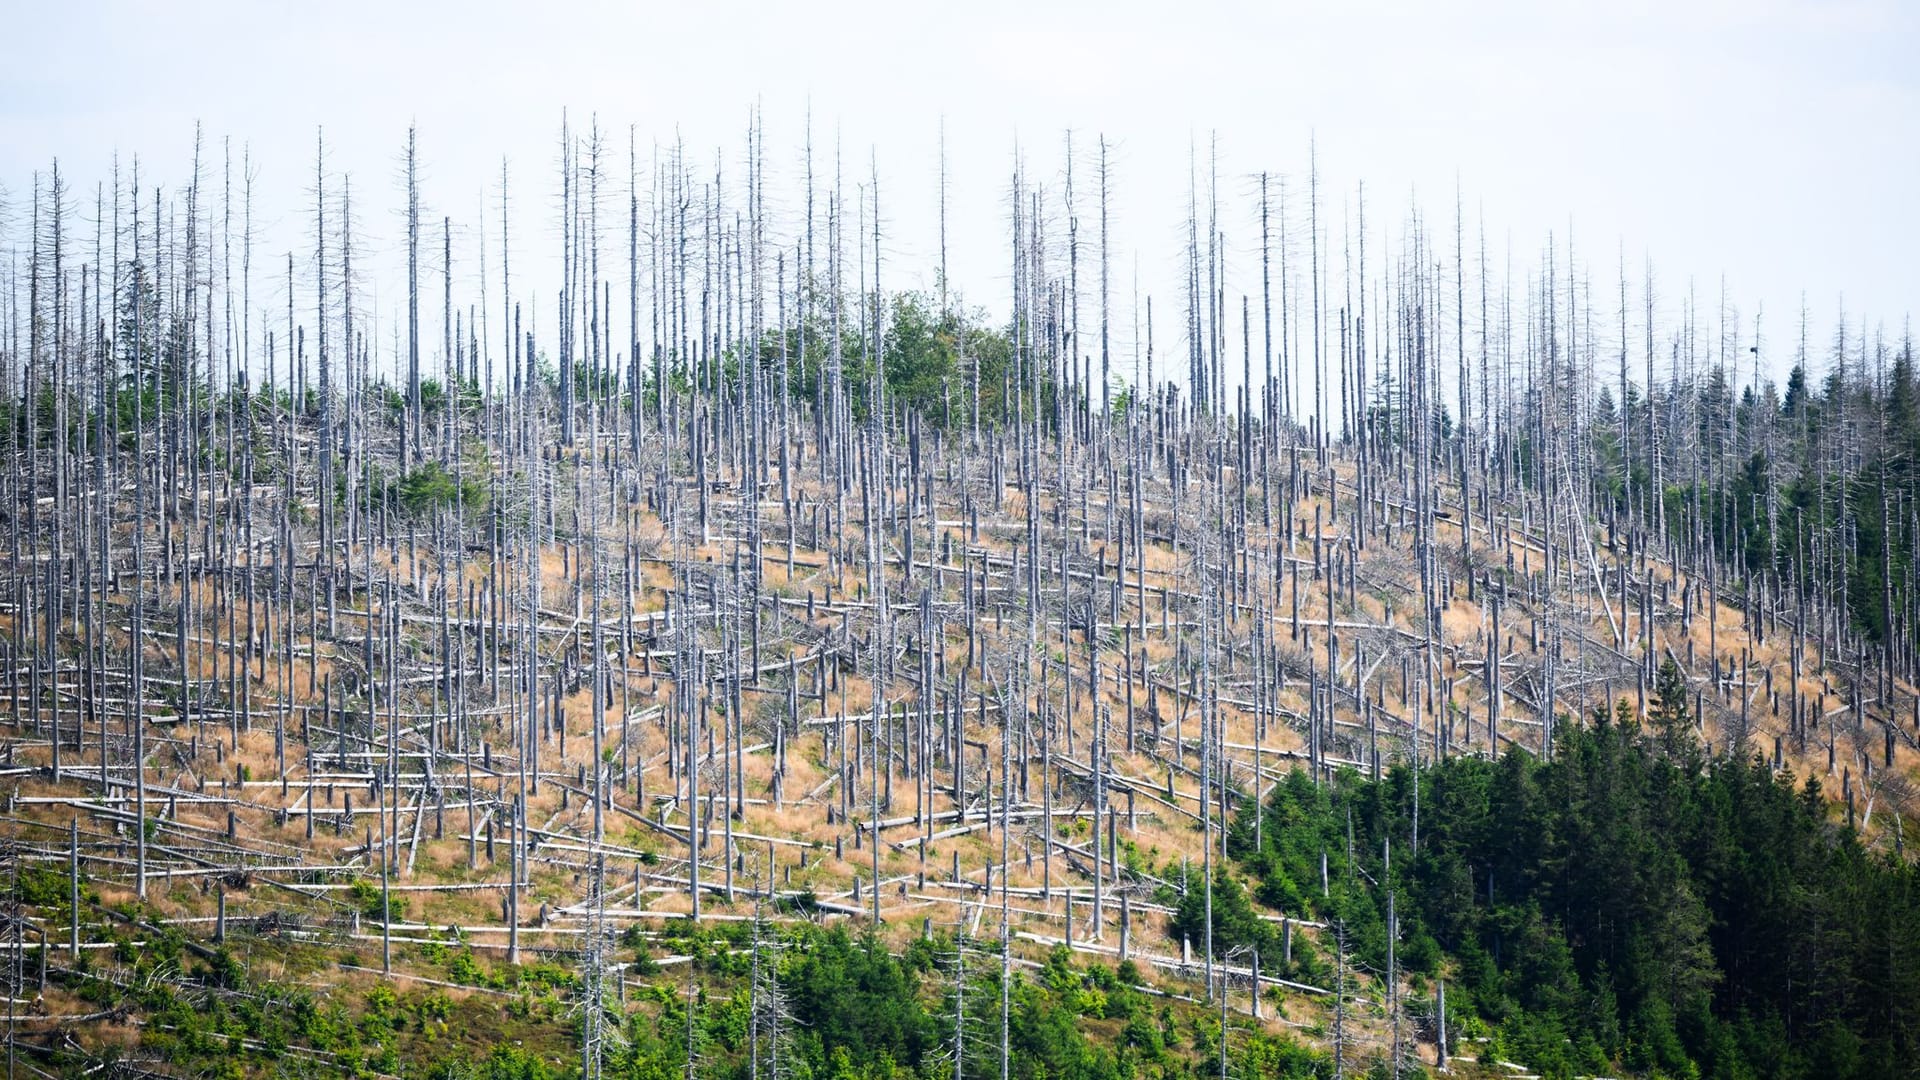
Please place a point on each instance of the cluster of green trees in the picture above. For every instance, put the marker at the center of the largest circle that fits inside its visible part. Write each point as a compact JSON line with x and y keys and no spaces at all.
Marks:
{"x":423,"y":490}
{"x":932,"y":357}
{"x":853,"y":1010}
{"x":860,"y":1012}
{"x":1626,"y":903}
{"x":1814,"y":486}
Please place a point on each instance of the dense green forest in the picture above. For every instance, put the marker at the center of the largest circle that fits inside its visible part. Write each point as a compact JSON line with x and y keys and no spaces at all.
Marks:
{"x":1627,"y":903}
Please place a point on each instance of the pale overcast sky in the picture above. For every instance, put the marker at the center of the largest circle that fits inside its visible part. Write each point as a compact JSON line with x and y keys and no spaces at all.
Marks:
{"x":1769,"y":141}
